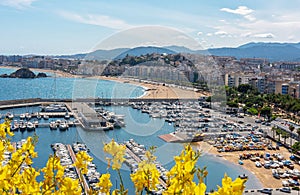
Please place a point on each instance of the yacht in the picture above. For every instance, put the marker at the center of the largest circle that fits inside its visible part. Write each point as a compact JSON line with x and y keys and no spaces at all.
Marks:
{"x":30,"y":126}
{"x":53,"y":125}
{"x":46,"y":117}
{"x":27,"y":115}
{"x":63,"y":126}
{"x":15,"y":126}
{"x":38,"y":116}
{"x":36,"y":123}
{"x":22,"y":116}
{"x":22,"y":126}
{"x":67,"y":115}
{"x":9,"y":115}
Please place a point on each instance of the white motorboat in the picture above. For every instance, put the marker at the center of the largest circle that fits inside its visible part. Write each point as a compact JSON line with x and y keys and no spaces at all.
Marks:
{"x":46,"y":117}
{"x":30,"y":126}
{"x":53,"y":125}
{"x":63,"y":126}
{"x":9,"y":115}
{"x":22,"y":116}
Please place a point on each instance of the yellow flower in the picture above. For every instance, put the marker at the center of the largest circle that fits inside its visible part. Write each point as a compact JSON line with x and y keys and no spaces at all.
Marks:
{"x":5,"y":129}
{"x":230,"y":187}
{"x":82,"y":160}
{"x":200,"y":189}
{"x":69,"y":186}
{"x":147,"y":175}
{"x":117,"y":152}
{"x":181,"y":175}
{"x":104,"y":183}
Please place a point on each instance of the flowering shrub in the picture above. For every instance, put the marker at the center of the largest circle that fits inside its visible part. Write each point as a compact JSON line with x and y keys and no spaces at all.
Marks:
{"x":18,"y":177}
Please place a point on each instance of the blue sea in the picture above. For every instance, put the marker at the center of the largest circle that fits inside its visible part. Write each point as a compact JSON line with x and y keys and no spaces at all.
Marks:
{"x":139,"y":126}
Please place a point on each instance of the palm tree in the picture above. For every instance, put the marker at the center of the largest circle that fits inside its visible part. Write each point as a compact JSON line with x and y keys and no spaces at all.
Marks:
{"x":291,"y":128}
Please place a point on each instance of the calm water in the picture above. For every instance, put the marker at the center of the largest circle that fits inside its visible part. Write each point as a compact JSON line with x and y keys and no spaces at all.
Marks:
{"x":52,"y":87}
{"x":139,"y":126}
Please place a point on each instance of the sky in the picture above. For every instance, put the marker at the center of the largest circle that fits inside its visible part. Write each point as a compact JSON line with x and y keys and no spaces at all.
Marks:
{"x":79,"y":26}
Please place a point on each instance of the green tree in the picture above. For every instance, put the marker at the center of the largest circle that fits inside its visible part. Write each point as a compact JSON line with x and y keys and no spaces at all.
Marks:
{"x":253,"y":111}
{"x":278,"y":132}
{"x":296,"y":147}
{"x":266,"y":111}
{"x":245,"y":88}
{"x":291,"y":128}
{"x":233,"y":104}
{"x":273,"y":131}
{"x":285,"y":135}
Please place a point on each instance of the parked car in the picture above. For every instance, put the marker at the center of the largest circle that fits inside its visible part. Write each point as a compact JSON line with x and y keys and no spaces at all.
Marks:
{"x":265,"y":191}
{"x":285,"y":189}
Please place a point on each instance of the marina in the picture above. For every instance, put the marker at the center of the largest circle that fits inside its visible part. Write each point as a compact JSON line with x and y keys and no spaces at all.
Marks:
{"x":211,"y":125}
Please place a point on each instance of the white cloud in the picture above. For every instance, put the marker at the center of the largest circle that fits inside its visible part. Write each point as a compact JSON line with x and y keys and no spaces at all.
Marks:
{"x":209,"y":34}
{"x":221,"y":33}
{"x":200,"y":33}
{"x":241,"y":10}
{"x":99,"y":20}
{"x":18,"y":4}
{"x":250,"y":18}
{"x":264,"y":35}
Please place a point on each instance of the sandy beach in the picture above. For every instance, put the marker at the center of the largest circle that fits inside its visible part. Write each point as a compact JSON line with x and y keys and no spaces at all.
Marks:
{"x":159,"y":91}
{"x":264,"y":175}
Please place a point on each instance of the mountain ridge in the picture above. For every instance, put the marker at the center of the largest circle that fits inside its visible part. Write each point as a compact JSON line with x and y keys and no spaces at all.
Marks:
{"x":273,"y":51}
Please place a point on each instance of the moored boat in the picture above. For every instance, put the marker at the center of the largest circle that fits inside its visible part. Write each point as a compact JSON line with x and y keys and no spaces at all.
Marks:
{"x":53,"y":125}
{"x":9,"y":115}
{"x":67,"y":115}
{"x":30,"y":126}
{"x":22,"y":126}
{"x":28,"y":116}
{"x":63,"y":126}
{"x":22,"y":116}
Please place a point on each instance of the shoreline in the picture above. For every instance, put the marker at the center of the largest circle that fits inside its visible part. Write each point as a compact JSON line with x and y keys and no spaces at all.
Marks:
{"x":152,"y":90}
{"x":263,"y":175}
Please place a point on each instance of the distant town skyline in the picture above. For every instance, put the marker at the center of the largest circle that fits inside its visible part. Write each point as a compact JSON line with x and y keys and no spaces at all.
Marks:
{"x":69,"y":27}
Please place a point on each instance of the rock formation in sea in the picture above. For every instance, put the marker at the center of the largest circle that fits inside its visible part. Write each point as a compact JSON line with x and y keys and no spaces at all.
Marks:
{"x":24,"y":73}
